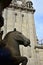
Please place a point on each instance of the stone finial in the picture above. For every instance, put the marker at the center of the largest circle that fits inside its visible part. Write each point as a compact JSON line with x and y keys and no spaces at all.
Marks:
{"x":29,"y":4}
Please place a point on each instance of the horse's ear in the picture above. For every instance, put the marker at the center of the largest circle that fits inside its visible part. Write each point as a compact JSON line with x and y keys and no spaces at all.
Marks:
{"x":14,"y":29}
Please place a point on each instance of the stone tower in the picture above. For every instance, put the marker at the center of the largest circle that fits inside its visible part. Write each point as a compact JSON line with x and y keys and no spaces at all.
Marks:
{"x":20,"y":15}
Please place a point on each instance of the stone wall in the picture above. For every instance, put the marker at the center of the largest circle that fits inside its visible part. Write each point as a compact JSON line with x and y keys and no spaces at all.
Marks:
{"x":39,"y":54}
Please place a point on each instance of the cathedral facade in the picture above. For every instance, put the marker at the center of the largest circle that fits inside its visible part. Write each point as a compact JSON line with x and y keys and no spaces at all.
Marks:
{"x":20,"y":15}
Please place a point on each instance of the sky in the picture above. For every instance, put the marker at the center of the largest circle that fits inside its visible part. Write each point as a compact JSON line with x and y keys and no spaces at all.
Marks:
{"x":38,"y":17}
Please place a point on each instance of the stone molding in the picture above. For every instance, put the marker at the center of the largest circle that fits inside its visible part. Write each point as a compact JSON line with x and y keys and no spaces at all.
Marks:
{"x":27,"y":6}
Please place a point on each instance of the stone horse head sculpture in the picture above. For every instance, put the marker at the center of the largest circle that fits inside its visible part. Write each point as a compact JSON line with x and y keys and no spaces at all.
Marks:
{"x":12,"y":40}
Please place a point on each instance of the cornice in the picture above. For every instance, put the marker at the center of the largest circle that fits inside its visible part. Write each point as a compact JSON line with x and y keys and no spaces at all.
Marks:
{"x":21,"y":7}
{"x":39,"y":46}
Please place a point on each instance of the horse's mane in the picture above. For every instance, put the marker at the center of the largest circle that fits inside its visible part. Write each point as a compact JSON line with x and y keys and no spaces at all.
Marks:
{"x":12,"y":32}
